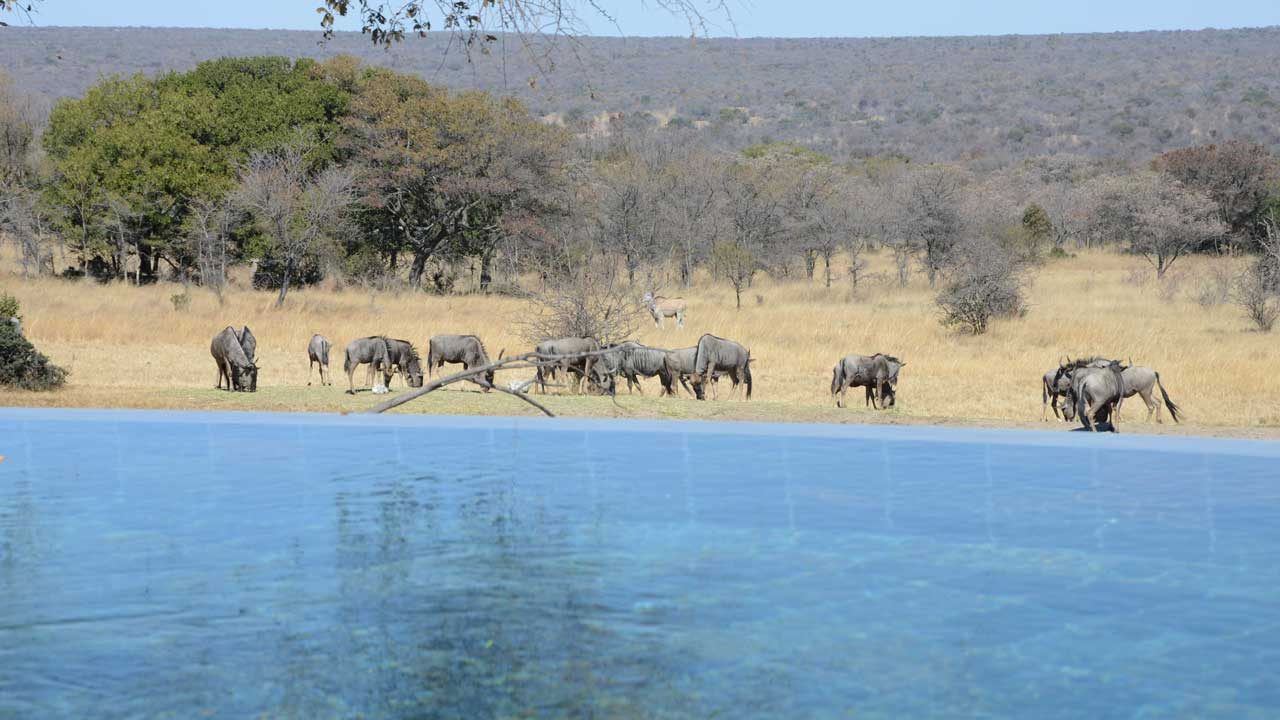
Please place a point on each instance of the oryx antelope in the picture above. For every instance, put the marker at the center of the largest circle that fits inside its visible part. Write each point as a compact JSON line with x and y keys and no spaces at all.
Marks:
{"x":661,"y":307}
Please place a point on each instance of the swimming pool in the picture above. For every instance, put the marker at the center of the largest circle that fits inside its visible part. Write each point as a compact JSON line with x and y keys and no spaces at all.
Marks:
{"x":228,"y":565}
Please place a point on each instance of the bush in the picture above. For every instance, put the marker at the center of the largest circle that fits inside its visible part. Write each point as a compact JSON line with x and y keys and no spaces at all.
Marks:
{"x":984,"y":283}
{"x":24,"y":367}
{"x":1254,"y":292}
{"x":8,"y":306}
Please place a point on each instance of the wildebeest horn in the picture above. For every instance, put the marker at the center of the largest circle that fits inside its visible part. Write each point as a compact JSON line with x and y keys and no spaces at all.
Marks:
{"x":501,"y":352}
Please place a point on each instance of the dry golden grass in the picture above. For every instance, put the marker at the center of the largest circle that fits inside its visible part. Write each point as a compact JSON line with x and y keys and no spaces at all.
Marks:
{"x":127,"y":346}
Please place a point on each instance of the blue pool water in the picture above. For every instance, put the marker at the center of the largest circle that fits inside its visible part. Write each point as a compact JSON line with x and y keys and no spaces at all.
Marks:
{"x":234,"y":566}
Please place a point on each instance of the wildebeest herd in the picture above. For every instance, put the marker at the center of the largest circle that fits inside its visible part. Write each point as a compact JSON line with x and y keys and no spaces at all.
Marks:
{"x":1088,"y":389}
{"x":1092,"y":389}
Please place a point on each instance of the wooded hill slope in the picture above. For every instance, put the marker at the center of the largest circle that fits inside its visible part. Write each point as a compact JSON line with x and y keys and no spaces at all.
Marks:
{"x":985,"y":101}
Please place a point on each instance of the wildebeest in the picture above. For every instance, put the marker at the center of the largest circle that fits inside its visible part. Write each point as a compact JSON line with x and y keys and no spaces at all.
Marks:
{"x":661,"y":307}
{"x":372,"y":351}
{"x":1054,"y":386}
{"x":233,"y":363}
{"x":716,"y":354}
{"x":579,"y":366}
{"x":605,"y":369}
{"x":405,"y":361}
{"x":877,"y":373}
{"x":679,"y":365}
{"x":1096,"y":392}
{"x":318,"y":354}
{"x":1141,"y":380}
{"x":633,"y":361}
{"x":248,"y":342}
{"x":464,"y":349}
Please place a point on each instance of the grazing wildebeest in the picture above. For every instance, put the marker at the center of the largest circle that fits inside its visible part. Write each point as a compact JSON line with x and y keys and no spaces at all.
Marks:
{"x":605,"y":369}
{"x":579,"y":366}
{"x":405,"y":361}
{"x":373,"y":351}
{"x":464,"y":349}
{"x":661,"y":307}
{"x":679,"y":365}
{"x":633,"y":361}
{"x":318,"y":354}
{"x":233,"y":364}
{"x":248,"y":342}
{"x":877,"y":373}
{"x":716,"y":354}
{"x":1096,"y":393}
{"x":1141,"y":380}
{"x":1054,"y":388}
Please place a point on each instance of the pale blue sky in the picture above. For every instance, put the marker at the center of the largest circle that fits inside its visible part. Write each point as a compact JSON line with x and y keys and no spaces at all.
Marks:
{"x":785,"y":18}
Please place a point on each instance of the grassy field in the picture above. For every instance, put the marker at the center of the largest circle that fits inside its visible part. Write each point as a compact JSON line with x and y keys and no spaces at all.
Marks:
{"x":129,"y":347}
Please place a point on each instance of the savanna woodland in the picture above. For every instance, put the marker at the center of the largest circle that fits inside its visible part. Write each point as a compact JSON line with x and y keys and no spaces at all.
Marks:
{"x":982,"y":227}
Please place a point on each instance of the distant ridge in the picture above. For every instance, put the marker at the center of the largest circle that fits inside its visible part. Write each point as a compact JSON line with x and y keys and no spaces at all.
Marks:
{"x":983,"y":100}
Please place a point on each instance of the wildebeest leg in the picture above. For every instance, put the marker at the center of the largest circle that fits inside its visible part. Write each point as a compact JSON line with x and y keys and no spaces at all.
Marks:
{"x":221,"y":374}
{"x":309,"y":364}
{"x":1152,"y":405}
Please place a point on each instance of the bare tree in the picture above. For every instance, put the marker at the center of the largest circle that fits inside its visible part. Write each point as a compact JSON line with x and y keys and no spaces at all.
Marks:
{"x":931,"y":216}
{"x":1154,"y":215}
{"x":208,"y":233}
{"x":294,"y":206}
{"x":1257,"y":289}
{"x":753,"y":221}
{"x":22,"y":218}
{"x":690,"y":206}
{"x":984,"y":281}
{"x":593,"y":301}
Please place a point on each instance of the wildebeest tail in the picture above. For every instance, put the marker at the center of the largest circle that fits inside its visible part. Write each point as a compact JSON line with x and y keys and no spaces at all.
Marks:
{"x":746,"y":374}
{"x":1173,"y":409}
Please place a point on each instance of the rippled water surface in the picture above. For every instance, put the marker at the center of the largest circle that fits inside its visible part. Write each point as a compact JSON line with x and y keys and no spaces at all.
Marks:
{"x":235,"y":566}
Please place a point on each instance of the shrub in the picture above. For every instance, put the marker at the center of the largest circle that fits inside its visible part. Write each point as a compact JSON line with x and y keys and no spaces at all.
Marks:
{"x":984,"y":283}
{"x":24,"y":367}
{"x":1255,"y":294}
{"x":8,"y":306}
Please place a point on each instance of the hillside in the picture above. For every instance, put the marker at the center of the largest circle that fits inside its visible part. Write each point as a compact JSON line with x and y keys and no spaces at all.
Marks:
{"x":985,"y":101}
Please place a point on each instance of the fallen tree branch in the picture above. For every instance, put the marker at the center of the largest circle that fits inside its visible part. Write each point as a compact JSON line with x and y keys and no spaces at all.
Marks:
{"x":515,"y":362}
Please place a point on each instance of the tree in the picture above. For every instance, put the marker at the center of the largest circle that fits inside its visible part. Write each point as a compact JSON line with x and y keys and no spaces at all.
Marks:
{"x":1037,"y":228}
{"x":753,"y":220}
{"x":984,"y":282}
{"x":155,"y":145}
{"x":690,"y":206}
{"x":444,"y":171}
{"x":1238,"y":176}
{"x":209,"y":228}
{"x":1154,"y":215}
{"x":931,"y":217}
{"x":295,"y":206}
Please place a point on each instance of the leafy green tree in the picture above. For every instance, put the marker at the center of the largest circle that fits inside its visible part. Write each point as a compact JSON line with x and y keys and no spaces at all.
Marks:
{"x":156,"y":145}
